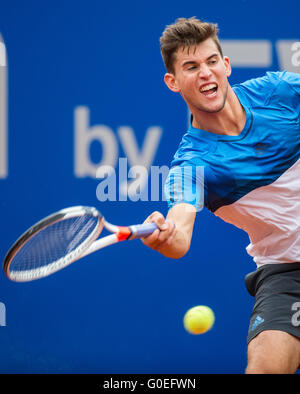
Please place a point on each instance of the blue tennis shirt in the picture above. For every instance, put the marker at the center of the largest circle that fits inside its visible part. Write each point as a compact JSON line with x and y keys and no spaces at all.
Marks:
{"x":251,"y":180}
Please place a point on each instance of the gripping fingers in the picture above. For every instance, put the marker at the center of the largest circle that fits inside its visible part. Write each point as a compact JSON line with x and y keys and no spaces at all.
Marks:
{"x":165,"y":237}
{"x":151,"y":239}
{"x":161,"y":236}
{"x":168,"y":240}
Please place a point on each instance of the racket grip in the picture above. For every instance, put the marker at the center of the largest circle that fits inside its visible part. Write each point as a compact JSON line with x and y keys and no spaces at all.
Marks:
{"x":142,"y":230}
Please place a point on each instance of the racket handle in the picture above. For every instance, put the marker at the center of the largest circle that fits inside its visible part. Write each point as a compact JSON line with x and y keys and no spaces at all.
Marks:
{"x":142,"y":230}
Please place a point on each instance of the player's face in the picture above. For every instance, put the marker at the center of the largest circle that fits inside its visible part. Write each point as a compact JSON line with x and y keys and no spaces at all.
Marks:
{"x":201,"y":77}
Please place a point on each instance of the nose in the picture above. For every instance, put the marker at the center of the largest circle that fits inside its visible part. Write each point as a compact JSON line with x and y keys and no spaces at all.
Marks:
{"x":205,"y":71}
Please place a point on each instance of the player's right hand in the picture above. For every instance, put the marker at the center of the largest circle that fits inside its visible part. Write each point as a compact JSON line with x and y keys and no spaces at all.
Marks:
{"x":163,"y":236}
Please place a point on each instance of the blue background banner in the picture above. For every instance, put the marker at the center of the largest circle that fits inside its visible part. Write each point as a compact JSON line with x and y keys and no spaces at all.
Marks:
{"x":81,"y":85}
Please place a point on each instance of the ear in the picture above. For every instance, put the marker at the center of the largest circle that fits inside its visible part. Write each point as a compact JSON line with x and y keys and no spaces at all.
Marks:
{"x":171,"y":82}
{"x":227,"y":66}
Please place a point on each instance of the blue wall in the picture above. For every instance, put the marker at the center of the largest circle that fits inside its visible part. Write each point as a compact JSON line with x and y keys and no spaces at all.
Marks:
{"x":121,"y":309}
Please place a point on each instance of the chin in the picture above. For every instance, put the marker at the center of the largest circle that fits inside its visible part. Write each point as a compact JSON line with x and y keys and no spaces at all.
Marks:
{"x":214,"y":108}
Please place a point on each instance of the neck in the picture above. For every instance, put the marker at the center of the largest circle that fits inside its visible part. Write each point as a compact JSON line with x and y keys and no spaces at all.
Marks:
{"x":229,"y":121}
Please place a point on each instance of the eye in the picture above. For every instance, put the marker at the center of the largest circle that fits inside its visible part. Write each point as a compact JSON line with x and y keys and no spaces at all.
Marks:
{"x":212,"y":62}
{"x":191,"y":68}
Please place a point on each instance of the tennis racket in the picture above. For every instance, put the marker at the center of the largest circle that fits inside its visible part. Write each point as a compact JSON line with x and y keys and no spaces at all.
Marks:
{"x":62,"y":238}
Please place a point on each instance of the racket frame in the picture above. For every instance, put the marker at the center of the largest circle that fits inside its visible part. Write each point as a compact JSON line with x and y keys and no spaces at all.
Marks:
{"x":50,"y":268}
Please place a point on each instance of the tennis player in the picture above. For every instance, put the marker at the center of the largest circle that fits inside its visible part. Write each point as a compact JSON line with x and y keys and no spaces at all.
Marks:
{"x":246,"y":137}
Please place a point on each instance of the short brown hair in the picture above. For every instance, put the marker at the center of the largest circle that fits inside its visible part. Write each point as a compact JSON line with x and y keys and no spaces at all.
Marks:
{"x":186,"y":32}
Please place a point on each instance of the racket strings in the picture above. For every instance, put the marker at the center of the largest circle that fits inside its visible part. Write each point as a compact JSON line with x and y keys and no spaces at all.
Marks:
{"x":54,"y":243}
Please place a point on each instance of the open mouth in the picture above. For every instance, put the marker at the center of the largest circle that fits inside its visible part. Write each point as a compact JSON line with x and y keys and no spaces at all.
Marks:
{"x":209,"y":90}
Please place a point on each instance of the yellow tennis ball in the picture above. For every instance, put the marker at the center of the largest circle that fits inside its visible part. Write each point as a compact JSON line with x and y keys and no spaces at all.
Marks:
{"x":199,"y":319}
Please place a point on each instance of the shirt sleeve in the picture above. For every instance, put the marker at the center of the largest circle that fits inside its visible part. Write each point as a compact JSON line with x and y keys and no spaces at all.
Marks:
{"x":259,"y":91}
{"x":293,"y":79}
{"x":185,"y":184}
{"x":290,"y":91}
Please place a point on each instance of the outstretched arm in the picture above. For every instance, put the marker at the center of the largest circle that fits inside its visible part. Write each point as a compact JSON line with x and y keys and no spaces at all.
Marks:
{"x":173,"y":238}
